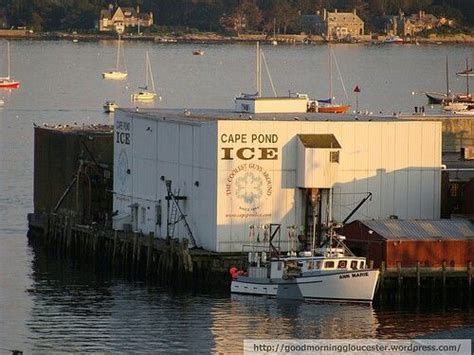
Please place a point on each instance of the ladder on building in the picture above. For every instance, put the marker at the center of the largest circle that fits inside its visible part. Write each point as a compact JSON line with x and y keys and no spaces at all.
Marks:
{"x":175,"y":214}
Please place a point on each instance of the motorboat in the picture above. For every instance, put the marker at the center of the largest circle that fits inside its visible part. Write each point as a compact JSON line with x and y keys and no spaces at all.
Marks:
{"x":110,"y":106}
{"x":328,"y":273}
{"x":114,"y":75}
{"x":198,"y":52}
{"x":393,"y":39}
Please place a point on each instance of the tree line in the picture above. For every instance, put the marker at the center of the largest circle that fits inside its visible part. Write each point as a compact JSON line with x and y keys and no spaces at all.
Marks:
{"x":219,"y":15}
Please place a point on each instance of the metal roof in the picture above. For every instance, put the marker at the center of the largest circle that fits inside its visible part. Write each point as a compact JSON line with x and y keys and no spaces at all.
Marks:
{"x":445,"y":229}
{"x":319,"y":140}
{"x":212,"y":115}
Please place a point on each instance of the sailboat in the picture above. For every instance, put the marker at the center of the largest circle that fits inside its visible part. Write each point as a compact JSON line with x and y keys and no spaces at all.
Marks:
{"x":326,"y":105}
{"x":144,"y":94}
{"x":440,"y":98}
{"x":7,"y":82}
{"x":116,"y":73}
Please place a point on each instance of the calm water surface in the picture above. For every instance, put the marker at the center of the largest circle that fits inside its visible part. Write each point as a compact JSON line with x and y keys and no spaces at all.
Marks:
{"x":51,"y":305}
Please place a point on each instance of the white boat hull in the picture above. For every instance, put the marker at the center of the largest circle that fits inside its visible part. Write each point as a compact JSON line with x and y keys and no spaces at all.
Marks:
{"x":114,"y":75}
{"x":143,"y":96}
{"x":348,"y":286}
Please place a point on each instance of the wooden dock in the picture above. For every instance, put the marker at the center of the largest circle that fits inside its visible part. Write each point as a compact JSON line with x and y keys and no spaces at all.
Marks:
{"x":170,"y":262}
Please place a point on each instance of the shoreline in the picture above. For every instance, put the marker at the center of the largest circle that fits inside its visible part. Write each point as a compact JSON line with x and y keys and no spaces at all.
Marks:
{"x":213,"y":38}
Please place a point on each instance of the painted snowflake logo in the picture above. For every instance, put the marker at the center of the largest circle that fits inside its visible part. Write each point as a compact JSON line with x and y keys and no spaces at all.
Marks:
{"x":249,"y":187}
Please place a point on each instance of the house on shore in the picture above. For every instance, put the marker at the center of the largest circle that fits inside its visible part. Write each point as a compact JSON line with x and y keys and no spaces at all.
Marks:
{"x":333,"y":26}
{"x":119,"y":18}
{"x":408,"y":26}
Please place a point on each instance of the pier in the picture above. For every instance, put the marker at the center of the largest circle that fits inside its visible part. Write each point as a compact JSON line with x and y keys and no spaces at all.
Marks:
{"x":172,"y":263}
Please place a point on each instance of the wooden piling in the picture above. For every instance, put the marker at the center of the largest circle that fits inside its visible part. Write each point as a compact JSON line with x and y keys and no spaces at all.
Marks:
{"x":149,"y":253}
{"x":418,"y":278}
{"x":469,"y":276}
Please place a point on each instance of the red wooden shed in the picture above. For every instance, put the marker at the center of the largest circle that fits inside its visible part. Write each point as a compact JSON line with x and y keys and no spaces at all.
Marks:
{"x":429,"y":242}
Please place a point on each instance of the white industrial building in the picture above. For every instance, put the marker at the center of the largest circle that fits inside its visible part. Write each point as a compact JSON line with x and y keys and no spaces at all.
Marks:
{"x":231,"y":170}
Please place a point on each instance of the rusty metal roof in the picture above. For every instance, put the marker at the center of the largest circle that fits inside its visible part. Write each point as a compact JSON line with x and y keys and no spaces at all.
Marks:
{"x":444,"y":229}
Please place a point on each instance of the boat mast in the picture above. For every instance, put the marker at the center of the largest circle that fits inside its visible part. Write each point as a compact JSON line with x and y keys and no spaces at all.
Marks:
{"x":8,"y":60}
{"x":467,"y":77}
{"x":330,"y":73}
{"x":118,"y":54}
{"x":258,"y":74}
{"x":447,"y":77}
{"x":151,"y":73}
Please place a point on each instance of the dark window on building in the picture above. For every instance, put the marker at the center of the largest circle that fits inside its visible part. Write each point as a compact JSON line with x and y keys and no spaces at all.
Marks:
{"x":334,"y":157}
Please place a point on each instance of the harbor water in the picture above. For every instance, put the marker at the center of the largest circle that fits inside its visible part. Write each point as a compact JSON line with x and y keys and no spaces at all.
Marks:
{"x":50,"y":304}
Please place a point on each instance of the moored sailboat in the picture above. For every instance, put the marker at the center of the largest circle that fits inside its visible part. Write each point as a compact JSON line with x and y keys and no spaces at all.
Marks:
{"x":327,"y":105}
{"x":8,"y":82}
{"x":116,"y":73}
{"x":144,"y":94}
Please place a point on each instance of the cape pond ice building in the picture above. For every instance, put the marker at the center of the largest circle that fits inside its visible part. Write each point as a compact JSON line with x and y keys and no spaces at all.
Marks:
{"x":235,"y":172}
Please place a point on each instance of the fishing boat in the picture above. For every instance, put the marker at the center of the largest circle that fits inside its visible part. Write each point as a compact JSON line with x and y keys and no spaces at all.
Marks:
{"x":110,"y":106}
{"x":329,"y":273}
{"x":116,"y":73}
{"x":144,"y":94}
{"x":7,"y":82}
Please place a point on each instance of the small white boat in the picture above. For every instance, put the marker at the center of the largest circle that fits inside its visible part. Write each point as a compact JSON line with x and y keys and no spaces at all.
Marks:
{"x":393,"y":39}
{"x":116,"y":73}
{"x":110,"y":106}
{"x":456,"y":106}
{"x":331,"y":273}
{"x":198,"y":52}
{"x":144,"y":94}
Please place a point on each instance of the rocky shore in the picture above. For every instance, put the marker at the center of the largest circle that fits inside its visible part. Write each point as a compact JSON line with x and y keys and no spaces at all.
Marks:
{"x":217,"y":38}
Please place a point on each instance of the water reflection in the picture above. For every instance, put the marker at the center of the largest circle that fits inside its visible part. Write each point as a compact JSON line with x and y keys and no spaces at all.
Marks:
{"x":79,"y":309}
{"x":260,"y":317}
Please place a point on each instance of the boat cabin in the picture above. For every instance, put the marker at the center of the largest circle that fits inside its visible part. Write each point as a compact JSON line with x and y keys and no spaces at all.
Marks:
{"x":291,"y":267}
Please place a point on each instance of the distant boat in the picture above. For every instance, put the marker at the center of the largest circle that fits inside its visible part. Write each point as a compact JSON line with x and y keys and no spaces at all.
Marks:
{"x":7,"y":82}
{"x":441,"y":98}
{"x":198,"y":52}
{"x":332,"y":108}
{"x":110,"y":106}
{"x":116,"y":73}
{"x":464,"y":73}
{"x":393,"y":39}
{"x":326,"y":105}
{"x":144,"y":94}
